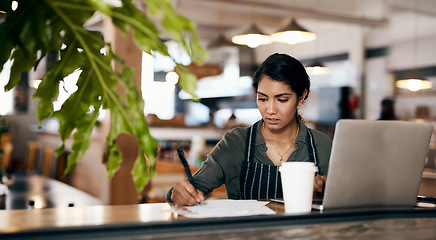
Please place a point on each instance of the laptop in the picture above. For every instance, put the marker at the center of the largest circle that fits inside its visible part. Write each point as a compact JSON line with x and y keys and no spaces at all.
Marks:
{"x":375,"y":164}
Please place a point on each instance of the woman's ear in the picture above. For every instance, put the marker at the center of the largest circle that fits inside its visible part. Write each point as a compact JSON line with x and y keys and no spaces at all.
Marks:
{"x":303,"y":97}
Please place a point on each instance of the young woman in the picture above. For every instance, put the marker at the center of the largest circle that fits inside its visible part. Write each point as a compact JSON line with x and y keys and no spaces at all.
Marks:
{"x":246,"y":159}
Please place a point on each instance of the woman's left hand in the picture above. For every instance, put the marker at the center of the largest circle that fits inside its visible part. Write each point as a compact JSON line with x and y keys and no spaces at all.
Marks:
{"x":319,"y":184}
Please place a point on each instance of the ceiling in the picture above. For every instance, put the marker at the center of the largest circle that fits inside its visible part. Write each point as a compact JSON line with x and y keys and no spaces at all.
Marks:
{"x":234,"y":16}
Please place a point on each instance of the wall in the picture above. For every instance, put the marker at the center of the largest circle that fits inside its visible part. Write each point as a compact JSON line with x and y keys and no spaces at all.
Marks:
{"x":23,"y":126}
{"x":379,"y":84}
{"x":371,"y":77}
{"x":402,"y":57}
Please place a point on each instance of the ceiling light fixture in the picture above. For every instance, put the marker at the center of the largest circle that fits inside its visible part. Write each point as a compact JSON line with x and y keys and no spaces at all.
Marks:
{"x":253,"y":37}
{"x":293,"y":33}
{"x":14,"y":5}
{"x":221,"y":41}
{"x":317,"y":68}
{"x":414,"y":81}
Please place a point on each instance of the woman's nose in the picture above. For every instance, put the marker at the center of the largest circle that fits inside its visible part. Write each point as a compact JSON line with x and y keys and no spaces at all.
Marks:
{"x":271,"y":109}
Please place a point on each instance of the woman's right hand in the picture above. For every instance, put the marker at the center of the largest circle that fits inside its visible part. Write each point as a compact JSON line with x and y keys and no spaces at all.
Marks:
{"x":319,"y":185}
{"x":184,"y":194}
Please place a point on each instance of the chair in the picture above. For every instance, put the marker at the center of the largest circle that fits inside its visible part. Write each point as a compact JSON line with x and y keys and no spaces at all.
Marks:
{"x":32,"y":152}
{"x":40,"y":159}
{"x":167,"y":174}
{"x":47,"y":161}
{"x":7,"y":148}
{"x":61,"y":166}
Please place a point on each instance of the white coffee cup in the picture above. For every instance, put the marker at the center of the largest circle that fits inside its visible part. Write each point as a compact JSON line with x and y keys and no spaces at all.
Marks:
{"x":297,"y":183}
{"x":3,"y":194}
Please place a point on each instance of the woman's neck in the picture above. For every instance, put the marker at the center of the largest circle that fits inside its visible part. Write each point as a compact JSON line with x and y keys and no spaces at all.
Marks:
{"x":283,"y":135}
{"x":280,"y":144}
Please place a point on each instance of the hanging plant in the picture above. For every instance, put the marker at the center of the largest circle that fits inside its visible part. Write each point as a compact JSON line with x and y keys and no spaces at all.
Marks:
{"x":39,"y":27}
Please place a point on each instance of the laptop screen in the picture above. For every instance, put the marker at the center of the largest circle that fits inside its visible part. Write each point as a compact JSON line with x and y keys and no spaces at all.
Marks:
{"x":376,"y":163}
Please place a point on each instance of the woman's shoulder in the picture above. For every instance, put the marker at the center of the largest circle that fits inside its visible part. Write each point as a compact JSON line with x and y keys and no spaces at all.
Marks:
{"x":232,"y":143}
{"x":320,"y":136}
{"x":237,"y":136}
{"x":243,"y":130}
{"x":237,"y":132}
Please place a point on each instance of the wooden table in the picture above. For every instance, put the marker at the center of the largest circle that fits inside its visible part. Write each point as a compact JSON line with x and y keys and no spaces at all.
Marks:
{"x":156,"y":221}
{"x":45,"y":193}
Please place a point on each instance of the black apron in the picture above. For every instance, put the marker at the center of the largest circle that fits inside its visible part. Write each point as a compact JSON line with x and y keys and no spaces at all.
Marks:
{"x":262,"y":181}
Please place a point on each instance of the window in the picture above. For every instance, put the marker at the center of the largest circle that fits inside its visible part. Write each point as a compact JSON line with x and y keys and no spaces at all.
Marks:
{"x":157,"y":92}
{"x":6,"y":98}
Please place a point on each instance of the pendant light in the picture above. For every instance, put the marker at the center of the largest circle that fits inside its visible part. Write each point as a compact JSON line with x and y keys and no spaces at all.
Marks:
{"x":221,"y":41}
{"x":317,"y":67}
{"x":253,"y":37}
{"x":293,"y":33}
{"x":414,"y":81}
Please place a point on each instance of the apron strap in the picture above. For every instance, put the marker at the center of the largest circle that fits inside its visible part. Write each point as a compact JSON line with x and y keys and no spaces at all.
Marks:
{"x":260,"y":181}
{"x":251,"y":141}
{"x":311,"y":149}
{"x":249,"y":156}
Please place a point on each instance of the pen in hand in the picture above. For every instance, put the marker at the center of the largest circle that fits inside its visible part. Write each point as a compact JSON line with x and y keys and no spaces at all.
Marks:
{"x":186,"y":166}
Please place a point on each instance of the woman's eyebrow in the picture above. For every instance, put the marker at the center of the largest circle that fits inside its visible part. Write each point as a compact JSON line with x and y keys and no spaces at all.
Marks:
{"x":278,"y":95}
{"x":282,"y":94}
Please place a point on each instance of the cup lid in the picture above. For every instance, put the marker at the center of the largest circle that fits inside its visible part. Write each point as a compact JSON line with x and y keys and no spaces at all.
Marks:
{"x":298,"y":166}
{"x":3,"y":189}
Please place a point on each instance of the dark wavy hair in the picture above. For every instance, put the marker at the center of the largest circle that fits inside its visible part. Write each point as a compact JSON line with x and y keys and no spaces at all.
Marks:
{"x":284,"y":68}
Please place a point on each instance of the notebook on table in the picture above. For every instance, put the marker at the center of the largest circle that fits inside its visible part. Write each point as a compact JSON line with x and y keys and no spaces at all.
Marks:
{"x":375,"y":164}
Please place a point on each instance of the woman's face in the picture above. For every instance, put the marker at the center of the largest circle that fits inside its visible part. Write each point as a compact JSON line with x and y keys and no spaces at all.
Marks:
{"x":277,"y":103}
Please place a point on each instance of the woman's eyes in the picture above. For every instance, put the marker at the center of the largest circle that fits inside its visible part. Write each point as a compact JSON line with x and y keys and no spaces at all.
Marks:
{"x":279,"y":100}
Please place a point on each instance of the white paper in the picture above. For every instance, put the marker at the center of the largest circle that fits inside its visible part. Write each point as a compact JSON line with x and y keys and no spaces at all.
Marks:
{"x":225,"y":208}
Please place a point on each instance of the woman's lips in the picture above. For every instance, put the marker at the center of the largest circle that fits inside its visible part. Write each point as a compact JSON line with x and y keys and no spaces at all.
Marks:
{"x":272,"y":121}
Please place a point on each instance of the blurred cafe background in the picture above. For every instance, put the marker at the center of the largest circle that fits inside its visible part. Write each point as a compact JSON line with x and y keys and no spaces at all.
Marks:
{"x":365,"y":48}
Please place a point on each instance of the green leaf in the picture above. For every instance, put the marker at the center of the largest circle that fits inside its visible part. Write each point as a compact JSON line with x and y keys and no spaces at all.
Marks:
{"x":82,"y":139}
{"x":26,"y":63}
{"x":188,"y":81}
{"x":39,"y":27}
{"x":141,"y":175}
{"x":179,"y":28}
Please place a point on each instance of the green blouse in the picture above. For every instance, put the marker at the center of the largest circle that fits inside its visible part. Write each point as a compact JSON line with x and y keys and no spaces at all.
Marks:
{"x":223,"y":164}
